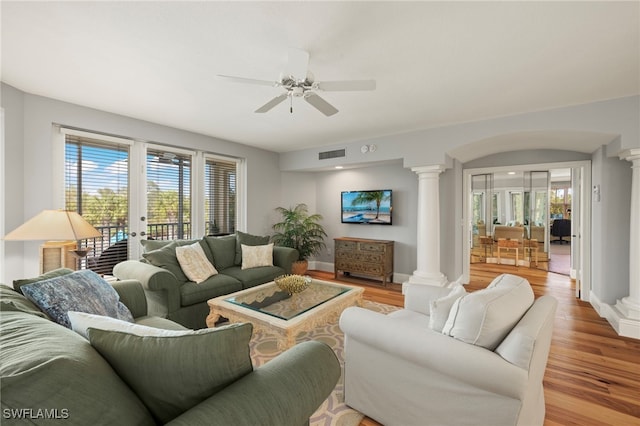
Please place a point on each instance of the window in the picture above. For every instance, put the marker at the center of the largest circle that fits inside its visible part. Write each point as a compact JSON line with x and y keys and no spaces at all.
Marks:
{"x":220,"y":196}
{"x":168,"y":195}
{"x":97,"y":187}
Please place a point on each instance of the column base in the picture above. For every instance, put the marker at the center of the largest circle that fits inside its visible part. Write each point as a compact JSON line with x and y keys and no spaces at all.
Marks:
{"x":436,"y":279}
{"x":629,"y":308}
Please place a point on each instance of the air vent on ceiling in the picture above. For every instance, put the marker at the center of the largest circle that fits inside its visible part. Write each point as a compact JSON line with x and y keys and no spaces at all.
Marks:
{"x":331,"y":154}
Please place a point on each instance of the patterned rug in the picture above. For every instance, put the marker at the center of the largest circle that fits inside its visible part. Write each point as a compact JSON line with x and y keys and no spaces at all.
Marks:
{"x":333,"y":412}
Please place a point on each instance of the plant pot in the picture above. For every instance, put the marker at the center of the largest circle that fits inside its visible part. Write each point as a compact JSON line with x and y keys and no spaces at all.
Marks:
{"x":299,"y":267}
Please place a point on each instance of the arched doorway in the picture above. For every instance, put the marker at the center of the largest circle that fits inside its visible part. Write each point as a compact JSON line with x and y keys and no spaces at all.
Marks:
{"x":512,"y":223}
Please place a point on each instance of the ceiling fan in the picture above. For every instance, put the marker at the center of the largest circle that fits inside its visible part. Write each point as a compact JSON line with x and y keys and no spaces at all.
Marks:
{"x":299,"y":82}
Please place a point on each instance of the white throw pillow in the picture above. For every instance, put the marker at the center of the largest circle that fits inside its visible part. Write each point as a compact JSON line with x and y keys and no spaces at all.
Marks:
{"x":194,"y":262}
{"x":485,"y":317}
{"x":439,"y":308}
{"x":81,"y":321}
{"x":254,"y":256}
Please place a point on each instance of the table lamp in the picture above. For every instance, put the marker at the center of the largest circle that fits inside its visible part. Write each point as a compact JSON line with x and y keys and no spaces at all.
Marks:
{"x":61,"y":230}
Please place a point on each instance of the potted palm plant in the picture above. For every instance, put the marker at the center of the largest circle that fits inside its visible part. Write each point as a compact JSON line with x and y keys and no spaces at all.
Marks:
{"x":301,"y":231}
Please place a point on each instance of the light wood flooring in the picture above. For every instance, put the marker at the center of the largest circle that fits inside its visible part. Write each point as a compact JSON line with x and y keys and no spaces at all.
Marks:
{"x":592,"y":376}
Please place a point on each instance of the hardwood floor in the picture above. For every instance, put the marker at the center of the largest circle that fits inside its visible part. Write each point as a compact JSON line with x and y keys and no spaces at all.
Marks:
{"x":592,"y":376}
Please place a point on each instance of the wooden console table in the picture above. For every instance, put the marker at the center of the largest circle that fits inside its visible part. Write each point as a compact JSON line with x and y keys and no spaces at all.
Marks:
{"x":364,"y":256}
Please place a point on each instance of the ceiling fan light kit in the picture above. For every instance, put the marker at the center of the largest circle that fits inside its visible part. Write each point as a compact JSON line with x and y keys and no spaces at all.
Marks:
{"x":305,"y":88}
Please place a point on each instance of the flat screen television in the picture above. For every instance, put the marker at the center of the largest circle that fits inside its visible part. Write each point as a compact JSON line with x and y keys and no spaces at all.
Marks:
{"x":368,"y":207}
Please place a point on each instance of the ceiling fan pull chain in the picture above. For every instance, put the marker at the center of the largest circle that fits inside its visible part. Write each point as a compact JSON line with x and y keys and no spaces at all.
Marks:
{"x":291,"y":104}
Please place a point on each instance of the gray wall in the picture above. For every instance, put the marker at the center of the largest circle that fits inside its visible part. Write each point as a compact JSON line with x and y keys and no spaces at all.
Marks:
{"x":321,"y":192}
{"x":29,"y":163}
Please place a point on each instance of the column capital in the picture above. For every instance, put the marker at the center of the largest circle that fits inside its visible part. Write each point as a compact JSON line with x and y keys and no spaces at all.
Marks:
{"x":436,"y":168}
{"x":630,"y":154}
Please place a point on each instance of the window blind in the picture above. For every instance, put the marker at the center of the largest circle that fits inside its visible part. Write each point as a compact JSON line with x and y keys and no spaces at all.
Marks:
{"x":168,"y":195}
{"x":220,"y":196}
{"x":97,"y":187}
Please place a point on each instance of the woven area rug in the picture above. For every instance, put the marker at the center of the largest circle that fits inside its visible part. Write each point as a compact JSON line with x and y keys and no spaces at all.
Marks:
{"x":333,"y":412}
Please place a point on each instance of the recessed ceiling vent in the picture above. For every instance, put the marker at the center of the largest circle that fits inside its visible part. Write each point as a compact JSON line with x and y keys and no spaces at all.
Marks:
{"x":332,"y":154}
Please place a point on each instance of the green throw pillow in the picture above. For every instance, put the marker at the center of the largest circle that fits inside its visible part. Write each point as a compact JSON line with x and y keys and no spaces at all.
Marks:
{"x":51,"y":274}
{"x":11,"y":300}
{"x":151,"y":245}
{"x":223,"y":250}
{"x":247,"y":240}
{"x":165,"y":258}
{"x":173,"y":374}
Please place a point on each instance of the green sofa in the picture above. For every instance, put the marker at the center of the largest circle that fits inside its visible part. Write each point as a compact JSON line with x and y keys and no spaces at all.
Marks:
{"x":172,"y":295}
{"x":50,"y":374}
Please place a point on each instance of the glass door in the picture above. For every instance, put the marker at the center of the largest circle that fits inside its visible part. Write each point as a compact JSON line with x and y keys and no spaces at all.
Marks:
{"x":482,"y":216}
{"x":536,"y":218}
{"x":168,"y":201}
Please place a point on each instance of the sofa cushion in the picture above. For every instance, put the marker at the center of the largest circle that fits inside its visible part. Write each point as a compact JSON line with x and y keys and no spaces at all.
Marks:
{"x":485,"y":317}
{"x":48,"y":366}
{"x":11,"y":300}
{"x":217,"y":285}
{"x":223,"y":250}
{"x":172,"y":374}
{"x":247,"y":240}
{"x":81,"y":321}
{"x":17,"y":284}
{"x":165,"y":258}
{"x":194,"y":262}
{"x":83,"y":291}
{"x":254,"y":276}
{"x":254,"y":256}
{"x":439,"y":308}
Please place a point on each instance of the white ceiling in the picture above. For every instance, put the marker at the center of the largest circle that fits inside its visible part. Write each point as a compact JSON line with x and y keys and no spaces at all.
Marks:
{"x":435,"y":63}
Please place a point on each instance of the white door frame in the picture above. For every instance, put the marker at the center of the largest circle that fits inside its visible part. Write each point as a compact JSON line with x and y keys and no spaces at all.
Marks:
{"x":582,"y":208}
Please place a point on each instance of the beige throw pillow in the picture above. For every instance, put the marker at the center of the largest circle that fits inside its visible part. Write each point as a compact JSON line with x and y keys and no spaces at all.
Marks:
{"x":254,"y":256}
{"x":194,"y":263}
{"x":485,"y":317}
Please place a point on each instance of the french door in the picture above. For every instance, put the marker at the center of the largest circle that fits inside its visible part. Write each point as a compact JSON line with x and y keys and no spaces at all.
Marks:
{"x":132,"y":190}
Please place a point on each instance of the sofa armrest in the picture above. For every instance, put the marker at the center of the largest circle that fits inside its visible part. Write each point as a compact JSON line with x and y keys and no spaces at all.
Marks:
{"x":284,"y":257}
{"x":431,"y":351}
{"x":132,"y":295}
{"x":162,"y":284}
{"x":417,"y":297}
{"x":285,"y":391}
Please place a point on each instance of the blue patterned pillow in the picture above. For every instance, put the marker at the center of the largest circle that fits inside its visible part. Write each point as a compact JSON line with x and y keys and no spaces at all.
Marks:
{"x":82,"y":291}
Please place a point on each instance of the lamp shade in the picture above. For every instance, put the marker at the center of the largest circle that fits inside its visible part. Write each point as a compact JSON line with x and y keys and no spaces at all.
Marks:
{"x":56,"y":225}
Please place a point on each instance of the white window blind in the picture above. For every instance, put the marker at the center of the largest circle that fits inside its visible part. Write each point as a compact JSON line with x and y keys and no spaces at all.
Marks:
{"x":97,"y":187}
{"x":220,"y":196}
{"x":168,"y":195}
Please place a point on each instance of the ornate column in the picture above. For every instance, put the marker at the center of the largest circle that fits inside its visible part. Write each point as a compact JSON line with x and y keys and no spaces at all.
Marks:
{"x":428,"y":242}
{"x":629,"y":307}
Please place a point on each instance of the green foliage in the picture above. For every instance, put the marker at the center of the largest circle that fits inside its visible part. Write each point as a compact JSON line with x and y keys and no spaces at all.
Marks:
{"x":299,"y":230}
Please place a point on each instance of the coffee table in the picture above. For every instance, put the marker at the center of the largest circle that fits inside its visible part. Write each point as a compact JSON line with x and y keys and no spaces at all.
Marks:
{"x":274,"y":311}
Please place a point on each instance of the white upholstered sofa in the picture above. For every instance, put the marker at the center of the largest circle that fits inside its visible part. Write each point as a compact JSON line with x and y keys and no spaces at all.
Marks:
{"x":451,"y":357}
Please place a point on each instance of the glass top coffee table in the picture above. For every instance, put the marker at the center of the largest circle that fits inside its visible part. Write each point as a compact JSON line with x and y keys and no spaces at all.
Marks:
{"x":274,"y":311}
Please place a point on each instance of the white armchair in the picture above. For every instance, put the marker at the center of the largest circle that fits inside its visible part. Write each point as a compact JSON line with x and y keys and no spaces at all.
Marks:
{"x":398,"y":371}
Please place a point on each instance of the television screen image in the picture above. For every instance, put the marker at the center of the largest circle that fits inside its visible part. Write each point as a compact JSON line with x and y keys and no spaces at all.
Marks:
{"x":370,"y":207}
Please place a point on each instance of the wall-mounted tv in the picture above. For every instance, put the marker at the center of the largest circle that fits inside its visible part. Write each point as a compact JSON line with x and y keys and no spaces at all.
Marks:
{"x":370,"y":207}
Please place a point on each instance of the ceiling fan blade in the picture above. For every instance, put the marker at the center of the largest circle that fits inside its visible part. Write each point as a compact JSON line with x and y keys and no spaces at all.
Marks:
{"x":346,"y":85}
{"x":320,"y":104}
{"x":298,"y":64}
{"x":246,"y":80}
{"x":272,"y":103}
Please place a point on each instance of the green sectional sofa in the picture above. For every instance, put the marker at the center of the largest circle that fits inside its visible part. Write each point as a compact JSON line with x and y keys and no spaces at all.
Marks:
{"x":172,"y":295}
{"x":50,"y":374}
